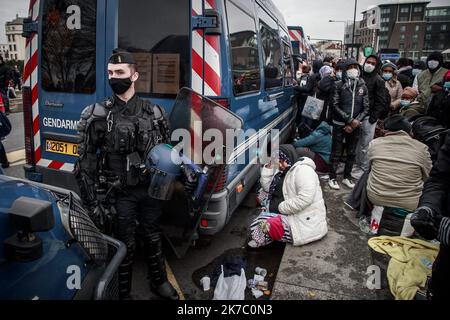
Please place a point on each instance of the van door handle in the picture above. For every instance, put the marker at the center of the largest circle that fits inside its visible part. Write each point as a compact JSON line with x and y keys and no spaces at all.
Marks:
{"x":275,"y":96}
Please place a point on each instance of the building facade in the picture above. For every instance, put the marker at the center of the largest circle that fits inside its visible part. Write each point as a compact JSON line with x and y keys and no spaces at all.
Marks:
{"x":437,"y":34}
{"x":16,"y":43}
{"x":402,"y":27}
{"x":4,"y":51}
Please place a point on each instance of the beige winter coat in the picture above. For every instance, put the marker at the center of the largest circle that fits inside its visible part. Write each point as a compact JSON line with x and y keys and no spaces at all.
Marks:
{"x":395,"y":91}
{"x":400,"y":166}
{"x":303,"y":201}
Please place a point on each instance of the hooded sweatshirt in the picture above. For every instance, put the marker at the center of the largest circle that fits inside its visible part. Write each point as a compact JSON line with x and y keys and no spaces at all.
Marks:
{"x":378,"y":94}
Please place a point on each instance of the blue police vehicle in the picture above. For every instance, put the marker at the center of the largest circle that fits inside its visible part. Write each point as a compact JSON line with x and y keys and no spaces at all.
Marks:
{"x":50,"y":249}
{"x":235,"y":52}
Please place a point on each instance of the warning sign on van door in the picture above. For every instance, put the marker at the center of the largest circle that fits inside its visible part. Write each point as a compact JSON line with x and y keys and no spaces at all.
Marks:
{"x":166,"y":73}
{"x":144,"y":61}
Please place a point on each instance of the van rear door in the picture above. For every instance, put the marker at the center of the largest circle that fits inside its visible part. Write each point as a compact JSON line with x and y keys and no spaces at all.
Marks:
{"x":71,"y":76}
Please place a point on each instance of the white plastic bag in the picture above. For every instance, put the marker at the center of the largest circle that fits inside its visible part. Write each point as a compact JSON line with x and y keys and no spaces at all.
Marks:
{"x":377,"y":214}
{"x":230,"y":288}
{"x":313,"y":108}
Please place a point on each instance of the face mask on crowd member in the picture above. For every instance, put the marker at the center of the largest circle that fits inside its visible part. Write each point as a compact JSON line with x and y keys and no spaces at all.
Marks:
{"x":353,"y":72}
{"x":433,"y":64}
{"x":339,"y":74}
{"x":370,"y":65}
{"x":435,"y":61}
{"x":388,"y":71}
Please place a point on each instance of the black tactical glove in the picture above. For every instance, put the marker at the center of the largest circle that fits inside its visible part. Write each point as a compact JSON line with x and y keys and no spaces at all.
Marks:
{"x":426,"y":223}
{"x":190,"y":180}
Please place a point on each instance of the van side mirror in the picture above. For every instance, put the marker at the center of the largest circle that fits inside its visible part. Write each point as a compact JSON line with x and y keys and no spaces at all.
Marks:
{"x":28,"y":216}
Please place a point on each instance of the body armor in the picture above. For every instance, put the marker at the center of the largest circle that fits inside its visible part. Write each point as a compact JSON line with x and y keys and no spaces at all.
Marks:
{"x":114,"y":141}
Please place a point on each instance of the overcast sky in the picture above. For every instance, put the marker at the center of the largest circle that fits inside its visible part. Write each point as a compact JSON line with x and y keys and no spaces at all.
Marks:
{"x":313,"y":15}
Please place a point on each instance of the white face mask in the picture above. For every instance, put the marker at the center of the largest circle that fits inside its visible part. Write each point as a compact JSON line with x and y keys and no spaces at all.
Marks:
{"x":369,"y":68}
{"x":352,"y":74}
{"x":339,"y":75}
{"x":433,"y":64}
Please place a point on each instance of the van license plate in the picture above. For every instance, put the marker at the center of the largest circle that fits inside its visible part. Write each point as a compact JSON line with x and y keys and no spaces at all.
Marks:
{"x":62,"y":148}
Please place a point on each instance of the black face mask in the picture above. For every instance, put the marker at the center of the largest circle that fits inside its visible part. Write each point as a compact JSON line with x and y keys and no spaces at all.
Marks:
{"x":120,"y":86}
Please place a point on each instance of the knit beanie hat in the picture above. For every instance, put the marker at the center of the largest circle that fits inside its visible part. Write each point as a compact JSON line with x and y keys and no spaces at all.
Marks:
{"x":389,"y":64}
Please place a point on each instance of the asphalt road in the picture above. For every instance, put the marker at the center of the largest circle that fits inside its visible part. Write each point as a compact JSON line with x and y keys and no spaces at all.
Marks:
{"x":201,"y":260}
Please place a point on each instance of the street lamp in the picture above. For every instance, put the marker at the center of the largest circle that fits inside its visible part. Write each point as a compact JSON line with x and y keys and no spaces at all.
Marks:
{"x":343,"y":42}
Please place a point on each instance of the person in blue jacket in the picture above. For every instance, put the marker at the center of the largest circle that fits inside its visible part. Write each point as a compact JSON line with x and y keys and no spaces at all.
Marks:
{"x":317,"y":146}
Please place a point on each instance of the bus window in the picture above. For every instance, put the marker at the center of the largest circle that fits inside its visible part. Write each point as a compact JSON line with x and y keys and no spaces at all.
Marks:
{"x":157,"y":32}
{"x":68,"y":46}
{"x":244,"y":50}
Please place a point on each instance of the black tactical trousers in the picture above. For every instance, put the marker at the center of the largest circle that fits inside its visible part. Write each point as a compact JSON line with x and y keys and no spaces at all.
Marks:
{"x":343,"y":141}
{"x":135,"y":205}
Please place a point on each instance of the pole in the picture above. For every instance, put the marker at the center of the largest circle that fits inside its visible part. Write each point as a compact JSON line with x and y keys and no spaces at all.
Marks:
{"x":354,"y":26}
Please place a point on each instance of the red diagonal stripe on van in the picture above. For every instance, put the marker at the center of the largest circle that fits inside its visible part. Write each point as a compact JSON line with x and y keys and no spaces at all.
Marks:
{"x":32,"y":3}
{"x":55,"y":165}
{"x":197,"y":63}
{"x":36,"y":125}
{"x":293,"y":36}
{"x":38,"y":154}
{"x":34,"y":95}
{"x":214,"y":42}
{"x":212,"y":79}
{"x":211,"y":3}
{"x":29,"y":67}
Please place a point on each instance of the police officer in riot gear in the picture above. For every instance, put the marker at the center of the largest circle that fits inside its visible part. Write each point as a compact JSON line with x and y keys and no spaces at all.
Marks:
{"x":117,"y":134}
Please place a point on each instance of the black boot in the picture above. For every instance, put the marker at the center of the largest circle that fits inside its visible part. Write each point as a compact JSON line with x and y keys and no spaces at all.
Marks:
{"x":157,"y":269}
{"x":125,"y":279}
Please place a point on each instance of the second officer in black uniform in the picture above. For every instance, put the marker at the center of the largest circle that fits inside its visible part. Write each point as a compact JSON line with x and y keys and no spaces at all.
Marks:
{"x":117,"y":134}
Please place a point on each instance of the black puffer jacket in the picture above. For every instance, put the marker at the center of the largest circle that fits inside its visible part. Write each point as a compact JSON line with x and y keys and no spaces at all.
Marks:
{"x":344,"y":110}
{"x":439,"y":108}
{"x":437,"y":189}
{"x":378,"y":94}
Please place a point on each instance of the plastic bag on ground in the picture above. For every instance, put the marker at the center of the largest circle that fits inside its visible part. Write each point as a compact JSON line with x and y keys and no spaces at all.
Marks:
{"x":230,"y":288}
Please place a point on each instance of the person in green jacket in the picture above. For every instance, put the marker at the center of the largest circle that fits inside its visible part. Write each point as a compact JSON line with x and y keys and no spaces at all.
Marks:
{"x":429,"y":79}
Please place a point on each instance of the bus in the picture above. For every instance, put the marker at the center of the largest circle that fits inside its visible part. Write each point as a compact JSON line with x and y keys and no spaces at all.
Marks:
{"x":236,"y":52}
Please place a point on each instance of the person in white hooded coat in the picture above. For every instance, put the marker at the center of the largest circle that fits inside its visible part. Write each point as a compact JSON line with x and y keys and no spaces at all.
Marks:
{"x":301,"y":215}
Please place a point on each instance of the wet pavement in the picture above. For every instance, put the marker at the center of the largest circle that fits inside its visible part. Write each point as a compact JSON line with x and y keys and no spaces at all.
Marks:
{"x":334,"y":268}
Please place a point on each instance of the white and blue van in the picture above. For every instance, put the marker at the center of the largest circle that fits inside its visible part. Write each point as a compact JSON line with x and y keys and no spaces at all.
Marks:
{"x":236,"y":52}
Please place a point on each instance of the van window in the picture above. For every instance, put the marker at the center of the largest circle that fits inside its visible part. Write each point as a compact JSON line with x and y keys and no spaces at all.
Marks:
{"x":272,"y":56}
{"x":157,"y":32}
{"x":287,"y":71}
{"x":244,"y":50}
{"x":68,"y":46}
